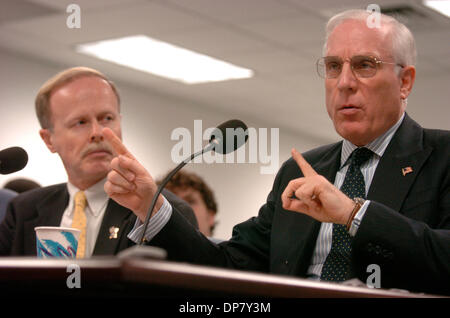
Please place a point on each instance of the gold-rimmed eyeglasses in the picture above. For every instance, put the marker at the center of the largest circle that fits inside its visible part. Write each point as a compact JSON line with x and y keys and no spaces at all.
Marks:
{"x":361,"y":66}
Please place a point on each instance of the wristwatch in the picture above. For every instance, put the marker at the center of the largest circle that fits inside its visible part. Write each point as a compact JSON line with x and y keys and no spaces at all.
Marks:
{"x":358,"y":204}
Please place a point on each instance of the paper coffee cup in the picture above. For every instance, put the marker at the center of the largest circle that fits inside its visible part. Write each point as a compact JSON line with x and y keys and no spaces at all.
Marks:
{"x":54,"y":241}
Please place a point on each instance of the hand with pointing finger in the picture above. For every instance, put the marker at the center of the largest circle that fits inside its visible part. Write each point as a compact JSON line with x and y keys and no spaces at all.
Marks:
{"x":128,"y":183}
{"x":315,"y":196}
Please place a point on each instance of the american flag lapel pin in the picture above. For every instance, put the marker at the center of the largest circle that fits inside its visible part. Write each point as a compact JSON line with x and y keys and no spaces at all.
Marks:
{"x":113,"y":232}
{"x":406,"y":170}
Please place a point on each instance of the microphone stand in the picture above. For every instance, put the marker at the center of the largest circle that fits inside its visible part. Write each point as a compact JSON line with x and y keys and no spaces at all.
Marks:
{"x":209,"y":147}
{"x":154,"y":252}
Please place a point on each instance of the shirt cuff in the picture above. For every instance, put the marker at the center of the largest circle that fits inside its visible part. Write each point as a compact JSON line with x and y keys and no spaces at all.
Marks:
{"x":155,"y":225}
{"x":358,"y":218}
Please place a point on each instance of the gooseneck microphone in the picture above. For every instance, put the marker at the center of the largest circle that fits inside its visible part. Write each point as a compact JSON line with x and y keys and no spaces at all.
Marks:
{"x":219,"y":142}
{"x":12,"y":159}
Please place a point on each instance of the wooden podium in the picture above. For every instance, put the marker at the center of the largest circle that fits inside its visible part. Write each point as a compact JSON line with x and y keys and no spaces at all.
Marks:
{"x":152,"y":278}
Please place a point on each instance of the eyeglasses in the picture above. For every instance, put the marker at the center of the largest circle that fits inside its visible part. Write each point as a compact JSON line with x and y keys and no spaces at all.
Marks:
{"x":361,"y":66}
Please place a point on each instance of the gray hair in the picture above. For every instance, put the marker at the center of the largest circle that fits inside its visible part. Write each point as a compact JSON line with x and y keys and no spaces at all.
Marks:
{"x":403,"y":44}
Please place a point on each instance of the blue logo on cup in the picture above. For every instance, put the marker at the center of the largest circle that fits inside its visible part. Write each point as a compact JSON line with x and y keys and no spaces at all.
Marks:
{"x":49,"y":248}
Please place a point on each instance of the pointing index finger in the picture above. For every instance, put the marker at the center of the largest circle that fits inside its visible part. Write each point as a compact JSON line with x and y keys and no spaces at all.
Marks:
{"x":305,"y":167}
{"x":115,"y":142}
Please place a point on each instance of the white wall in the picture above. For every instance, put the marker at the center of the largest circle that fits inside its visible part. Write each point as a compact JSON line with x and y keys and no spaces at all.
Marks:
{"x":148,"y":120}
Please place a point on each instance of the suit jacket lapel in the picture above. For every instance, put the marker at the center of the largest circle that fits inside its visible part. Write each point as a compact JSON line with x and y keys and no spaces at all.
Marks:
{"x":391,"y":182}
{"x":49,"y":213}
{"x":117,"y":223}
{"x":309,"y":228}
{"x":51,"y":208}
{"x":329,"y":165}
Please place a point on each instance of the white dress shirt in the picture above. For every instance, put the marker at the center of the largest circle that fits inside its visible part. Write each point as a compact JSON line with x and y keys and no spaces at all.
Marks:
{"x":324,"y":239}
{"x":97,"y":200}
{"x":155,"y":224}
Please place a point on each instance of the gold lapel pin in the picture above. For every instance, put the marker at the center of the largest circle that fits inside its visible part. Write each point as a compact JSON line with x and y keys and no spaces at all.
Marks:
{"x":406,"y":170}
{"x":113,"y":232}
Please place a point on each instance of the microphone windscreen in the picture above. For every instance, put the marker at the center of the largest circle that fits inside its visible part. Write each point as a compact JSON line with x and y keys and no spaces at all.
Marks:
{"x":229,"y":136}
{"x":12,"y":159}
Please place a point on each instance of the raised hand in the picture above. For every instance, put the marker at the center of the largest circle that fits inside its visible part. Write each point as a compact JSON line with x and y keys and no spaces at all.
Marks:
{"x":129,"y":183}
{"x":315,"y":196}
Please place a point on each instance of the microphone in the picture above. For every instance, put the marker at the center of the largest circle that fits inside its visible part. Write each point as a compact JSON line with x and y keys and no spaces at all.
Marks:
{"x":218,"y":142}
{"x":237,"y":129}
{"x":12,"y":159}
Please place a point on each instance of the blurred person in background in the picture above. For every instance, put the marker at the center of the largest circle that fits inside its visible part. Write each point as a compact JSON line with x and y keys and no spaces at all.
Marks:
{"x":193,"y":189}
{"x":20,"y":185}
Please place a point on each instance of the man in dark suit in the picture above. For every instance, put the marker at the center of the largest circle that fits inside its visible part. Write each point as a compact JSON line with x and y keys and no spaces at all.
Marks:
{"x":5,"y":196}
{"x":73,"y":107}
{"x":377,"y":203}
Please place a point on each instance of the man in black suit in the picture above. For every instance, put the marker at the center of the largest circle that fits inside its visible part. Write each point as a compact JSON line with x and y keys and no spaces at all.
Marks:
{"x":377,"y":202}
{"x":73,"y":107}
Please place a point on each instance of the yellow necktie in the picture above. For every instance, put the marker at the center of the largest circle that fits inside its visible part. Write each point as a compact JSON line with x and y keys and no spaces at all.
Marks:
{"x":79,"y":221}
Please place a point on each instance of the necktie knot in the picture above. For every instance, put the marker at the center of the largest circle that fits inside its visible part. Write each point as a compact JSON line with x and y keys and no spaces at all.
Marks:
{"x":360,"y":156}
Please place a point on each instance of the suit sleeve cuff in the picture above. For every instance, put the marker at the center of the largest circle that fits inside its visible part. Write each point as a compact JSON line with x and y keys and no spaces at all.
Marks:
{"x":358,"y":218}
{"x":155,"y":225}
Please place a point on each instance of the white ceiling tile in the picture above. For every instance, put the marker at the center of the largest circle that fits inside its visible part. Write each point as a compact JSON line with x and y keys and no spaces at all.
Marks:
{"x":270,"y":61}
{"x":85,"y":4}
{"x":288,"y":31}
{"x":279,"y":39}
{"x":118,"y":21}
{"x":235,"y":10}
{"x":216,"y":41}
{"x":21,"y":10}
